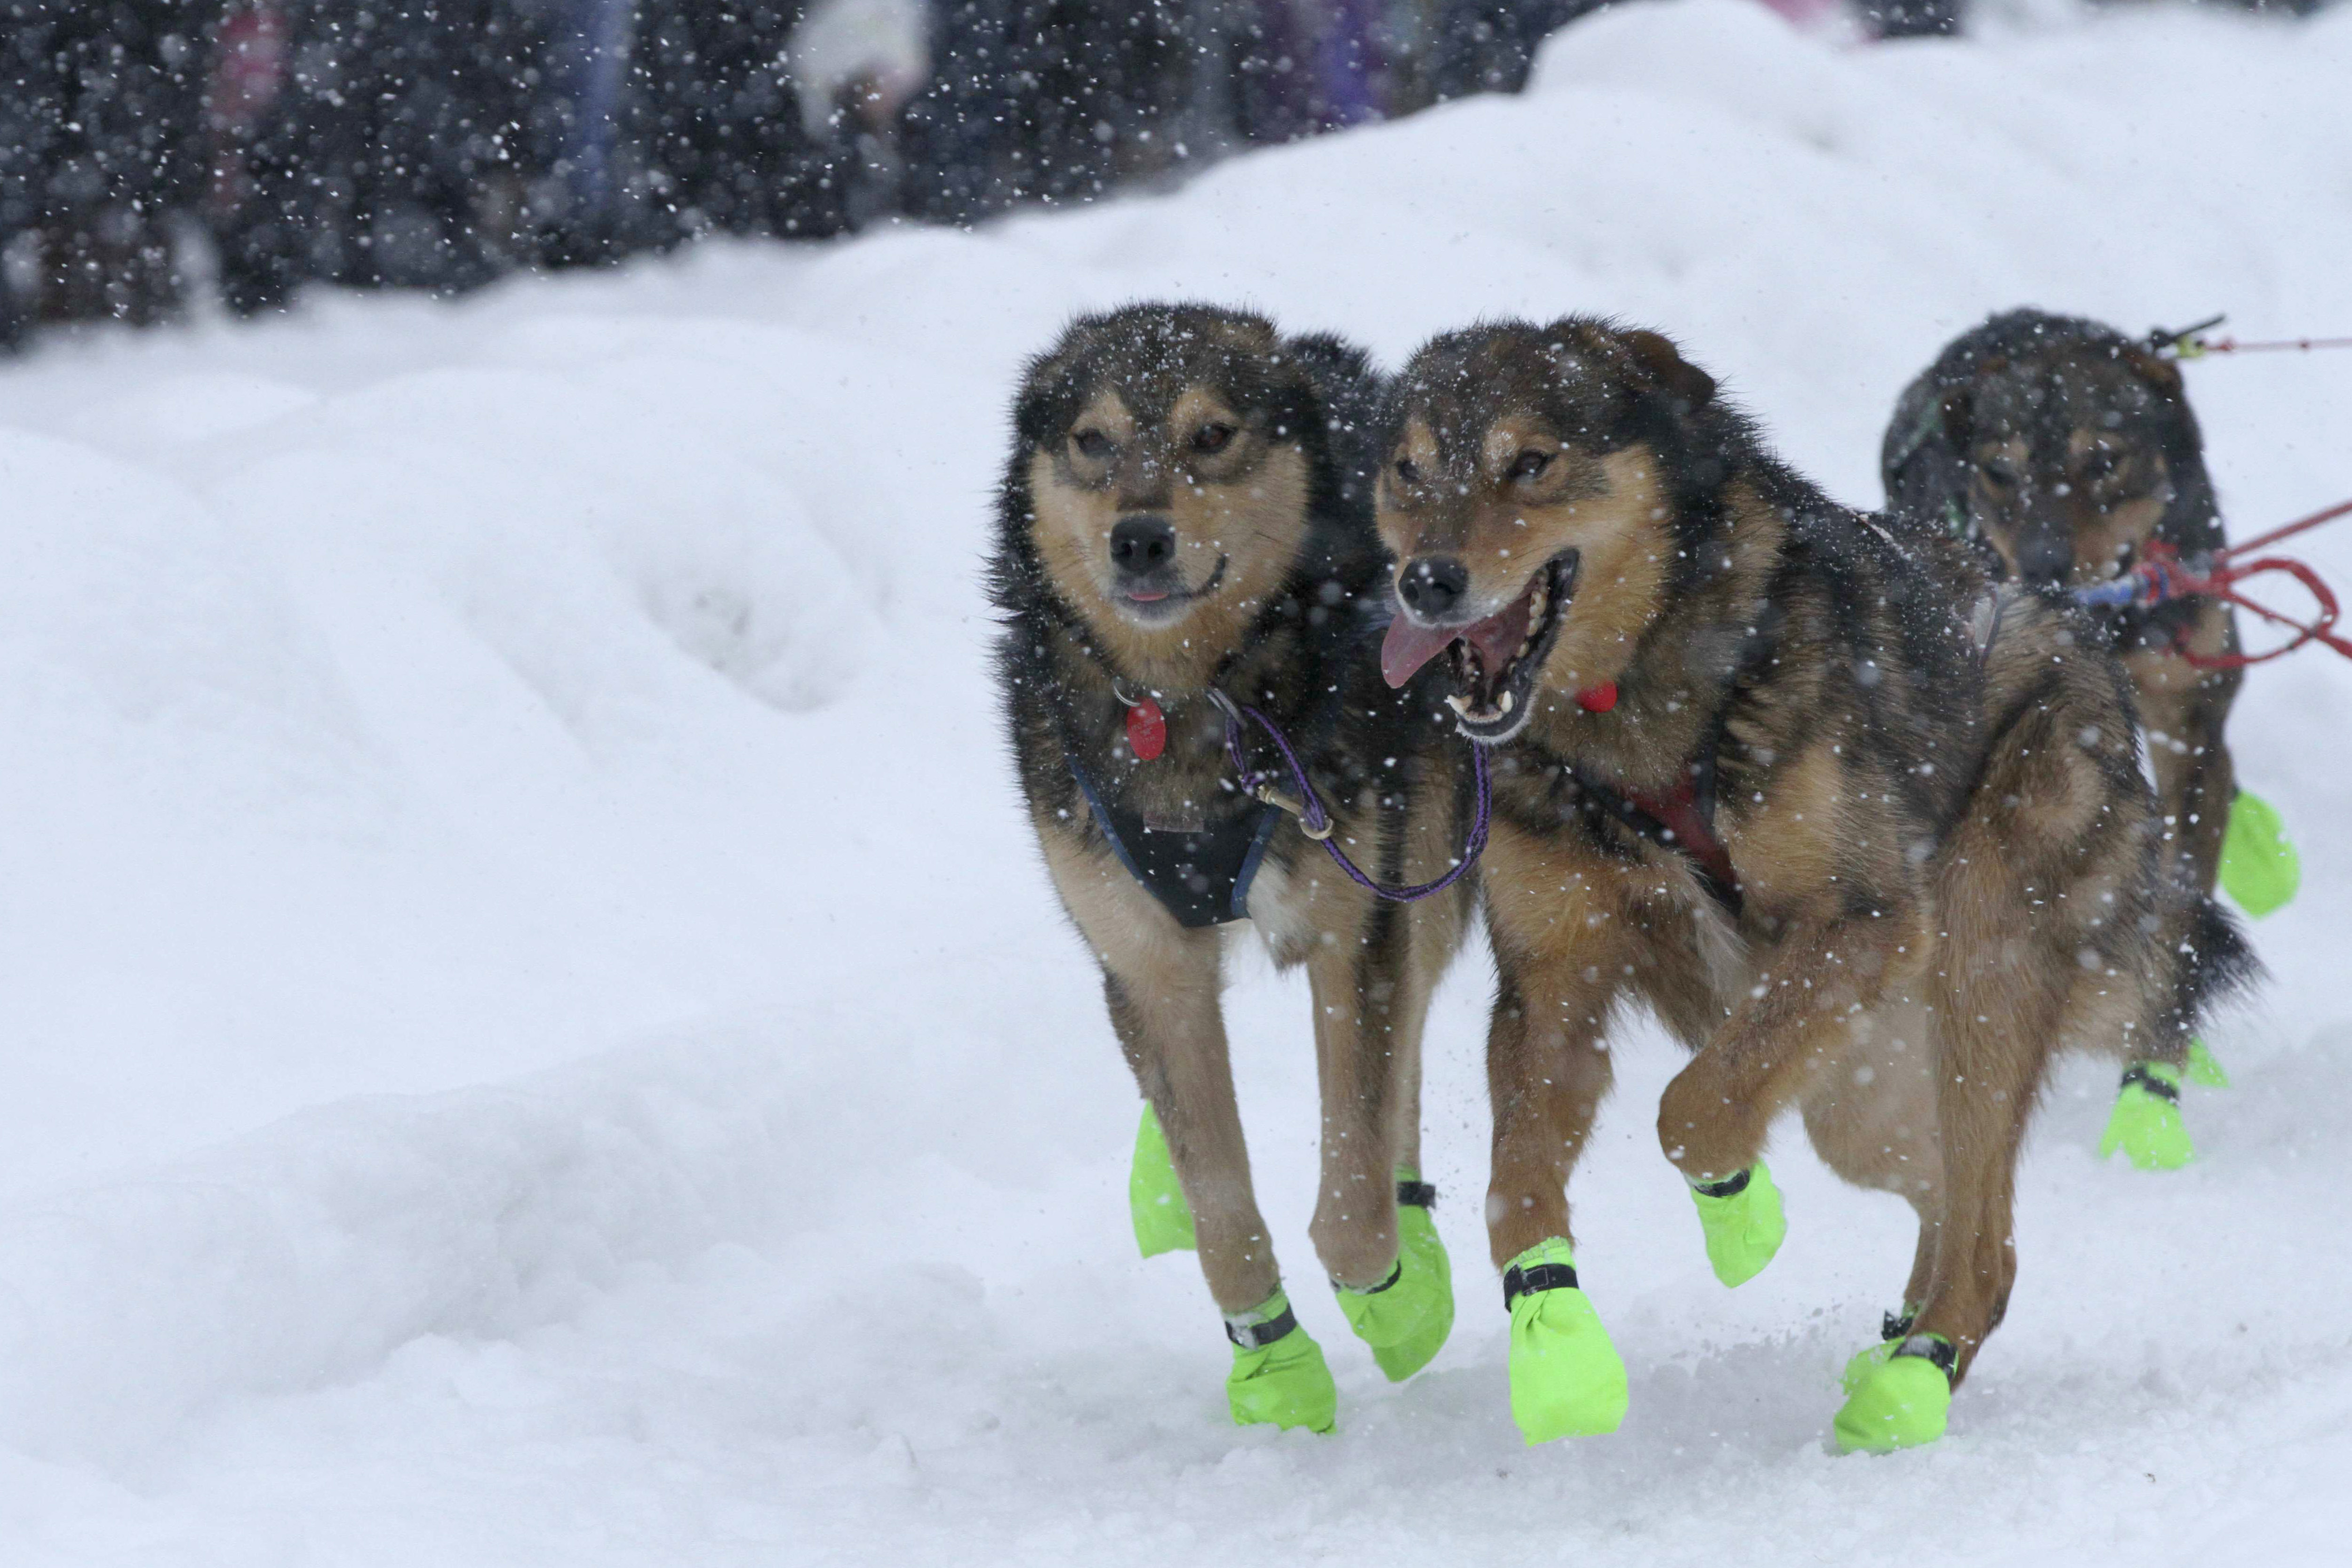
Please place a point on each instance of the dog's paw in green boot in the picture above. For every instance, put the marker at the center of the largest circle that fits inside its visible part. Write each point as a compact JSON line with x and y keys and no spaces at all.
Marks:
{"x":2146,"y":1122}
{"x":2260,"y":869}
{"x":1279,"y":1378}
{"x":1902,"y":1402}
{"x":1405,"y":1319}
{"x":2204,"y":1069}
{"x":1163,"y":1221}
{"x":1567,"y":1379}
{"x":1742,"y":1217}
{"x":1891,"y":1335}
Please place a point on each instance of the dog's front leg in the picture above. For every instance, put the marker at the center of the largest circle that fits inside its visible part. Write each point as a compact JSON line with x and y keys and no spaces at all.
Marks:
{"x":2184,"y":710}
{"x":1164,"y":1006}
{"x":1386,"y":1263}
{"x":1809,"y":990}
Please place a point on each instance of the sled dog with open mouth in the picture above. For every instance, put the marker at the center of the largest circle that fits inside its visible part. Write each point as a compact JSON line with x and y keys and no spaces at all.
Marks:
{"x":1184,"y":542}
{"x":1864,"y":829}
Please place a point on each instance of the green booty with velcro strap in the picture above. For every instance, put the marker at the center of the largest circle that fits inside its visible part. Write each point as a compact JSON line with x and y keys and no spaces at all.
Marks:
{"x":2146,"y":1122}
{"x":1903,"y":1402}
{"x":1744,"y":1222}
{"x":1163,"y":1221}
{"x":2260,"y":869}
{"x":1405,"y":1320}
{"x":1891,"y":1334}
{"x":1279,"y":1378}
{"x":1567,"y":1379}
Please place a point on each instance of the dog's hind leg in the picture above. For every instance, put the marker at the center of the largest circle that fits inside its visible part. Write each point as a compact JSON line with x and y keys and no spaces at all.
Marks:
{"x":1871,"y":1115}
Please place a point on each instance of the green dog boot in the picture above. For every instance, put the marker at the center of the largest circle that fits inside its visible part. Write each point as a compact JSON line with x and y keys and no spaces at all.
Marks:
{"x":2146,"y":1122}
{"x":1890,"y":1335}
{"x":2203,"y":1071}
{"x":2260,"y":869}
{"x":1567,"y":1380}
{"x":1278,"y":1377}
{"x":1406,"y":1320}
{"x":1901,"y":1403}
{"x":1744,"y":1224}
{"x":1163,"y":1222}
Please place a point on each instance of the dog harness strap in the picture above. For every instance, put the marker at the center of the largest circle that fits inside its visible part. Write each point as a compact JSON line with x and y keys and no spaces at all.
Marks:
{"x":1416,"y":1196}
{"x":1202,"y":879}
{"x":2137,"y":1073}
{"x":1678,"y":823}
{"x":1734,"y":1183}
{"x":1258,"y":1336}
{"x":1316,"y":823}
{"x":1395,"y":1273}
{"x":1518,"y":1282}
{"x":1932,"y":1348}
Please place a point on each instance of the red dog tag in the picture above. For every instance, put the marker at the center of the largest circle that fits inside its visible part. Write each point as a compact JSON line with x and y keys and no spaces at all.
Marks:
{"x":1593,"y":700}
{"x":1146,"y":730}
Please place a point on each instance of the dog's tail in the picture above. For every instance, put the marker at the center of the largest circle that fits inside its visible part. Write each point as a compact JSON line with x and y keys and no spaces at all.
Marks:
{"x":2217,"y":963}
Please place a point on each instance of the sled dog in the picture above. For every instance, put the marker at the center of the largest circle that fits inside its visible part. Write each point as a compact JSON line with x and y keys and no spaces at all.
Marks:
{"x":1863,"y":827}
{"x":2063,"y":450}
{"x":1184,"y":530}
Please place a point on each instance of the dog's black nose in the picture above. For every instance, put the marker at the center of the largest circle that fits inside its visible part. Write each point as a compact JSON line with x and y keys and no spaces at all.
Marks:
{"x":2045,"y":558}
{"x":1429,"y":585}
{"x":1142,"y":543}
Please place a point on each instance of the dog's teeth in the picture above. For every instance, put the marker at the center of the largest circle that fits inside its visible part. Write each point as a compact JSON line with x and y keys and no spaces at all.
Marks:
{"x":1459,"y":704}
{"x":1506,"y":702}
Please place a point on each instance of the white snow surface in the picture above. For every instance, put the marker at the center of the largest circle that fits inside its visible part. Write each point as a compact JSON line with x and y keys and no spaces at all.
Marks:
{"x":536,"y":1032}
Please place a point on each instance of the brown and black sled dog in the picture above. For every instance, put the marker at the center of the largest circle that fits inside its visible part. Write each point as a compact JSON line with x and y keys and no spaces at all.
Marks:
{"x":1865,"y":829}
{"x":2065,"y":452}
{"x":2065,"y":449}
{"x":1185,"y":521}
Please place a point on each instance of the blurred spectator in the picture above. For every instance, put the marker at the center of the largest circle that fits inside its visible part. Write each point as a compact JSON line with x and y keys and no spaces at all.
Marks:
{"x":98,"y":114}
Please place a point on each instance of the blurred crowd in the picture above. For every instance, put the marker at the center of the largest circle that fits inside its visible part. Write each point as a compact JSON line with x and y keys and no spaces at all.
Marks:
{"x":149,"y":148}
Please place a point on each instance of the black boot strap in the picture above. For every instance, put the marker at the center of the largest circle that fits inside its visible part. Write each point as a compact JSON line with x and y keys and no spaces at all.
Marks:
{"x":1731,"y":1184}
{"x":2137,"y":1073}
{"x":1395,"y":1273}
{"x":1416,"y":1196}
{"x":1517,"y":1282}
{"x":1258,"y":1336}
{"x":1928,"y":1347}
{"x":1895,"y":1325}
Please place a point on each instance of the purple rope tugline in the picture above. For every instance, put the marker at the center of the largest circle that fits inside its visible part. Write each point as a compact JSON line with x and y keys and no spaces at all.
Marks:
{"x":1316,"y":823}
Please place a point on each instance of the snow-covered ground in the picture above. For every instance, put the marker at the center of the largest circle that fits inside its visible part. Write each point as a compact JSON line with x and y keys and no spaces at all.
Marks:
{"x":534,"y":1033}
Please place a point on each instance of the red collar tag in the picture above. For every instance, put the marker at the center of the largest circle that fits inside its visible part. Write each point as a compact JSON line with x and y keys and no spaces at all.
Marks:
{"x":1592,"y":699}
{"x":1146,"y":730}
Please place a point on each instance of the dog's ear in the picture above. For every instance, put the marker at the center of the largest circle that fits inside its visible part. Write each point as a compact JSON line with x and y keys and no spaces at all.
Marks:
{"x":2156,"y":371}
{"x":1047,"y":399}
{"x":1957,"y":419}
{"x":1664,"y":367}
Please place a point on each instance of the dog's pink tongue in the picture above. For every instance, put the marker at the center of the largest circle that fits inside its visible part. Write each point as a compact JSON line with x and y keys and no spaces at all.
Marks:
{"x":1498,"y":637}
{"x":1408,"y":646}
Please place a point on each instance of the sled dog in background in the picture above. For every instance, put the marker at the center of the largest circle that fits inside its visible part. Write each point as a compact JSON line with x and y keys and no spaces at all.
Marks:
{"x":1864,"y":829}
{"x":1186,"y":513}
{"x":2063,"y":451}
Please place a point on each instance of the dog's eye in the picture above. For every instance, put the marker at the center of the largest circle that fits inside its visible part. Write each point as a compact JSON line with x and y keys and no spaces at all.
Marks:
{"x":1211,"y":439}
{"x":1408,"y":470}
{"x":1529,"y":463}
{"x":1999,"y":472}
{"x":1091,"y":443}
{"x":2095,"y":466}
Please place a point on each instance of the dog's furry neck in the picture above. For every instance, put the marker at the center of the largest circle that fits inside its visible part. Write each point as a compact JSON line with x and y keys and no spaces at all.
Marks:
{"x":1731,"y":517}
